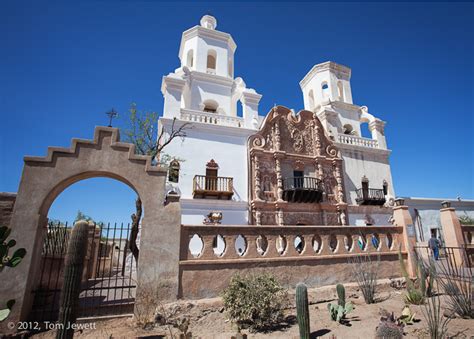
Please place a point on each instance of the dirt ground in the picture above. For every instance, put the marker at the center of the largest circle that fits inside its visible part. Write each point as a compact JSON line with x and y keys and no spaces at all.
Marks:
{"x":208,"y":320}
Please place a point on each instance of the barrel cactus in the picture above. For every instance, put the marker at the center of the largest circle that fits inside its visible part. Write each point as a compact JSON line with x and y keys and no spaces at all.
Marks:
{"x":74,"y":262}
{"x":302,"y":310}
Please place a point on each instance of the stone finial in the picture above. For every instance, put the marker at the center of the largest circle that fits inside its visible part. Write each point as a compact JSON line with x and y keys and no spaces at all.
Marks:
{"x":446,"y":204}
{"x":212,"y":164}
{"x":399,"y":202}
{"x":208,"y":21}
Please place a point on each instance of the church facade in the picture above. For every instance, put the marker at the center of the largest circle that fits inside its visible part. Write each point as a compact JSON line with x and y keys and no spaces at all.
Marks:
{"x":311,"y":167}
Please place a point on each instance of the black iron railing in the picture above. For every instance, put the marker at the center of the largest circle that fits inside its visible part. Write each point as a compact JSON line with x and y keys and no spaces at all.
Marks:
{"x":302,"y":189}
{"x":370,"y":196}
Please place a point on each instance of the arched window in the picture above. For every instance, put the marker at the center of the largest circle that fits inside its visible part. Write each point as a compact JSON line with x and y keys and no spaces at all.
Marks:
{"x":340,"y":91}
{"x":325,"y":89}
{"x":210,"y":106}
{"x":348,"y":129}
{"x":211,"y":60}
{"x":311,"y":99}
{"x":190,"y":58}
{"x":173,"y":171}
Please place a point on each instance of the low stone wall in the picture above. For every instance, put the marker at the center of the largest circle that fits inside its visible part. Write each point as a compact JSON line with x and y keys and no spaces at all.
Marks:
{"x":7,"y":202}
{"x":315,"y":255}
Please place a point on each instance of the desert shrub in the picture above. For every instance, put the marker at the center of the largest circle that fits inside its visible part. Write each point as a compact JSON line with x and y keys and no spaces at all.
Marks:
{"x":255,"y":301}
{"x":459,"y":288}
{"x":422,"y":286}
{"x":365,"y":271}
{"x":436,"y":321}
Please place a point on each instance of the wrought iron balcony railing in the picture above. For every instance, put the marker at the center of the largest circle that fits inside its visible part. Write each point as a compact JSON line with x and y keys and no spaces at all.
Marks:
{"x":370,"y":196}
{"x":209,"y":187}
{"x":302,"y":189}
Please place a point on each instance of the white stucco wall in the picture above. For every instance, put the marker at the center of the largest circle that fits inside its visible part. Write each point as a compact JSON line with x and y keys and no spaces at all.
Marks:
{"x":228,"y":147}
{"x":358,"y":161}
{"x":428,"y":209}
{"x":194,"y":211}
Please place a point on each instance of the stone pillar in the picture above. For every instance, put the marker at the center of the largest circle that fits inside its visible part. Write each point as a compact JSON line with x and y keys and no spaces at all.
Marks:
{"x":340,"y":189}
{"x":250,"y":100}
{"x":172,"y":89}
{"x":279,"y":179}
{"x":452,"y":232}
{"x":280,"y":217}
{"x":376,"y":127}
{"x":402,"y":218}
{"x":159,"y":255}
{"x":258,"y":218}
{"x":258,"y":187}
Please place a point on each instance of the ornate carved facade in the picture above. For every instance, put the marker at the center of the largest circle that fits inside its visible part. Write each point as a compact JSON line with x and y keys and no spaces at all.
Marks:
{"x":295,"y":172}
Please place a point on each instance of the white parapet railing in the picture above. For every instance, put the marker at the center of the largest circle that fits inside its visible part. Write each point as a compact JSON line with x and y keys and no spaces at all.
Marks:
{"x":211,"y":118}
{"x":357,"y":141}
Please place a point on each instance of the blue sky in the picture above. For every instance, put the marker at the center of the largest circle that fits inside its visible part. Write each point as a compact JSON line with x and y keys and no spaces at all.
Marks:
{"x":63,"y":65}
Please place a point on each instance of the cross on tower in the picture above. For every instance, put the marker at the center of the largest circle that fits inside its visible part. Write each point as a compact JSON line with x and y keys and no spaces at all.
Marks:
{"x":112,"y":114}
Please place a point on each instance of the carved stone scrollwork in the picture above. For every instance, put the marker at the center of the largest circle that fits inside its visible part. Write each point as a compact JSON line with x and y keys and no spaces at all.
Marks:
{"x":331,"y":151}
{"x":279,"y":179}
{"x":318,"y":140}
{"x":258,"y":218}
{"x":280,"y":217}
{"x":277,"y":136}
{"x":258,"y":141}
{"x":257,"y":177}
{"x":340,"y":189}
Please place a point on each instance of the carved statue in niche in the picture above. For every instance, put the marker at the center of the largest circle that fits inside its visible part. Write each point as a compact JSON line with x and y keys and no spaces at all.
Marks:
{"x":330,"y":184}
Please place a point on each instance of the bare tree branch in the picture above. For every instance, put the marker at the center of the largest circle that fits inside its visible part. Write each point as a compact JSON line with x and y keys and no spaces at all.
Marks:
{"x":142,"y":133}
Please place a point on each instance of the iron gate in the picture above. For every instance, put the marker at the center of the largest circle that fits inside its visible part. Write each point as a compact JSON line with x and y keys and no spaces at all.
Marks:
{"x":108,"y":279}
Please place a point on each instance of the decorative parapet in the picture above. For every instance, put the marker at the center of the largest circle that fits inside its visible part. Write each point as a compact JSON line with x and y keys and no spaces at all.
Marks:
{"x":99,"y":133}
{"x":276,"y":243}
{"x":357,"y":141}
{"x":211,"y":118}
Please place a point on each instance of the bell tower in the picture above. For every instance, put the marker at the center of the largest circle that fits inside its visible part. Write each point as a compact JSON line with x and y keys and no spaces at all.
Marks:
{"x":205,"y":81}
{"x":326,"y":82}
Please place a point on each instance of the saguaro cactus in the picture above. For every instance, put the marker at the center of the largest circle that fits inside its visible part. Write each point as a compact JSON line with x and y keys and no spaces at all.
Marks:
{"x":302,"y":311}
{"x":341,"y":295}
{"x":76,"y":252}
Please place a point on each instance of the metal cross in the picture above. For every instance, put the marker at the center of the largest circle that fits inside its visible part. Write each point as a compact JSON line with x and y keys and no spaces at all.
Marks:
{"x":112,"y":114}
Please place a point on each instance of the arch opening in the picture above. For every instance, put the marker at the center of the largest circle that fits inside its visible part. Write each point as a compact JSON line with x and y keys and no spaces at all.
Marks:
{"x":211,"y":61}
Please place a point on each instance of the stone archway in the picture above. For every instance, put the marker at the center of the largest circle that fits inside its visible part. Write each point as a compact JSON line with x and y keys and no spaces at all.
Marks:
{"x":44,"y":178}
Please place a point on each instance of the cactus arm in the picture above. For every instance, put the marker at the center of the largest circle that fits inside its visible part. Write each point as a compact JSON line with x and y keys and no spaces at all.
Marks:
{"x":341,"y":295}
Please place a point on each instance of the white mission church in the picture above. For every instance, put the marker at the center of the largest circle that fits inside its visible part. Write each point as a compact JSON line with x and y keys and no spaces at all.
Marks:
{"x":284,"y":168}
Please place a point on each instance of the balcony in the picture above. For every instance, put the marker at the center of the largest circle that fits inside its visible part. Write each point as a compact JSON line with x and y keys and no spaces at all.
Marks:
{"x":302,"y":190}
{"x":208,"y":187}
{"x":370,"y":196}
